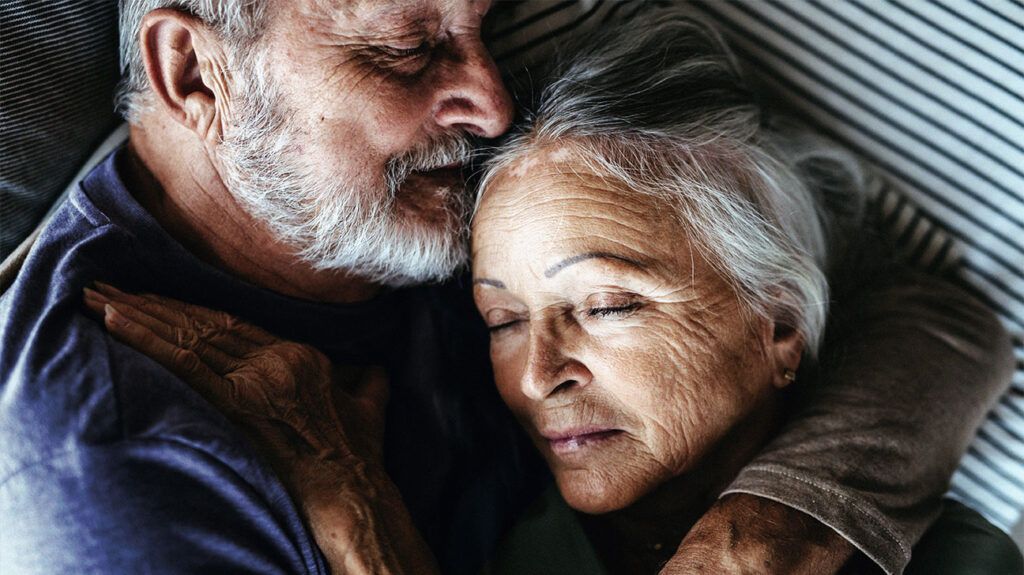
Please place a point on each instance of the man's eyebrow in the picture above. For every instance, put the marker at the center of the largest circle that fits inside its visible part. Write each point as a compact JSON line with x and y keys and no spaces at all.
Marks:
{"x":572,"y":260}
{"x":490,"y":282}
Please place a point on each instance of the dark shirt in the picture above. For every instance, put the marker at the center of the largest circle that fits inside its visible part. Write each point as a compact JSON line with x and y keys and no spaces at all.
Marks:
{"x":110,"y":464}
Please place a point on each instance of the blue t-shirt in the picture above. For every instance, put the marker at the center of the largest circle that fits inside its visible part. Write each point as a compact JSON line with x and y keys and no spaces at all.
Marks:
{"x":110,"y":464}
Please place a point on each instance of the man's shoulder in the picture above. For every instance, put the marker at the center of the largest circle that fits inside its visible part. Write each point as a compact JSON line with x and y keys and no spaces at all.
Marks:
{"x":149,"y":503}
{"x":108,"y":455}
{"x":64,"y":382}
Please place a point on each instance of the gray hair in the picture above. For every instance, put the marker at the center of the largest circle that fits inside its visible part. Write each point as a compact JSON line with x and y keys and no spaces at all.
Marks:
{"x":238,"y":22}
{"x":659,"y":108}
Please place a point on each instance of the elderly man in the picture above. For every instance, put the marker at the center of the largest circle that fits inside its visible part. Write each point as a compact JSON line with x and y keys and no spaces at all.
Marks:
{"x":298,"y":164}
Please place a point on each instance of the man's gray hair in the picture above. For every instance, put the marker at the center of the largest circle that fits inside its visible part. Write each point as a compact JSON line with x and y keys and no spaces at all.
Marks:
{"x":236,"y":21}
{"x":660,"y":109}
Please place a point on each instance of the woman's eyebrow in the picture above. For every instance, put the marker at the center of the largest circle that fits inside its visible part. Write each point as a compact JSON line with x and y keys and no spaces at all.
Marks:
{"x":572,"y":260}
{"x":489,"y":282}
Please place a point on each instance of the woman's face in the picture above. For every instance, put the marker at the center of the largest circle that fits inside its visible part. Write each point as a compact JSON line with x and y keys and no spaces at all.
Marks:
{"x":621,"y":351}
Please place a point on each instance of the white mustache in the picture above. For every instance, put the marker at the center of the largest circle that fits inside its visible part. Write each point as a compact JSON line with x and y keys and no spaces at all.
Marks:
{"x":437,"y":153}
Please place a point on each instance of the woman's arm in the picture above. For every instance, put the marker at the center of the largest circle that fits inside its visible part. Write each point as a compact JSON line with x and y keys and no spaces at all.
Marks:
{"x":320,"y":427}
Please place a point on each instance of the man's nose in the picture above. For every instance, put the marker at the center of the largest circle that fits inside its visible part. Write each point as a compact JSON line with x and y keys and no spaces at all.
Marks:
{"x":475,"y":99}
{"x":550,"y":369}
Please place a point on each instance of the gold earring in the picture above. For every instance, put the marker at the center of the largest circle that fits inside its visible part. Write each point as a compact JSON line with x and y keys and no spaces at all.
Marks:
{"x":789,"y":375}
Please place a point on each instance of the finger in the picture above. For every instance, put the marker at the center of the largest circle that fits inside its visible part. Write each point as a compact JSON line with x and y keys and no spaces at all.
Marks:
{"x":177,"y":313}
{"x":95,"y":302}
{"x":178,"y":325}
{"x":191,"y":339}
{"x":182,"y":362}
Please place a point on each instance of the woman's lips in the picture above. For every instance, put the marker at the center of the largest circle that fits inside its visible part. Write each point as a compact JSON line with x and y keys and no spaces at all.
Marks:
{"x":575,"y":440}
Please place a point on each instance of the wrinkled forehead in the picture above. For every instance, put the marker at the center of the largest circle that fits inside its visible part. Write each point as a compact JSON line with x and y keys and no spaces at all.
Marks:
{"x":553,"y":176}
{"x":555,"y":196}
{"x":383,"y":13}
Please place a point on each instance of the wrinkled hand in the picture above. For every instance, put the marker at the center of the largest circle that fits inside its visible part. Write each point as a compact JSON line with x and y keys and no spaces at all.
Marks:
{"x":319,"y":425}
{"x":287,"y":396}
{"x":746,"y":534}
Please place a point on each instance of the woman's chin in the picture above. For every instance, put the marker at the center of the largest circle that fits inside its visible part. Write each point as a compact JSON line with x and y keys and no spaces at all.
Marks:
{"x":595,"y":495}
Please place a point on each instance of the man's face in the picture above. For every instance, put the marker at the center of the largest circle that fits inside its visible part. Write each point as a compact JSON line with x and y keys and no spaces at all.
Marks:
{"x":348,"y":126}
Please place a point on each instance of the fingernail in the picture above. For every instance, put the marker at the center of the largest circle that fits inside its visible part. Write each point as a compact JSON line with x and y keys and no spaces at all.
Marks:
{"x":115,"y":317}
{"x":105,"y":287}
{"x":95,"y":295}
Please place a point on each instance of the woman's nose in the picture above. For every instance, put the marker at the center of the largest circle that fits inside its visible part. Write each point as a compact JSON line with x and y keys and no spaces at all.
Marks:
{"x":550,"y":370}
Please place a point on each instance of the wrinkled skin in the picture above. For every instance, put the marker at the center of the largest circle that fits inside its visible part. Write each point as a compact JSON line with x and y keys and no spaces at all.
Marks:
{"x":320,"y":427}
{"x":644,"y":343}
{"x":372,"y":80}
{"x":357,"y":85}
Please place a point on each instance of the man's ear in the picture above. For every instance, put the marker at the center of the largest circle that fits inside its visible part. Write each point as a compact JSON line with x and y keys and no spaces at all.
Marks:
{"x":187,"y":69}
{"x":786,"y":348}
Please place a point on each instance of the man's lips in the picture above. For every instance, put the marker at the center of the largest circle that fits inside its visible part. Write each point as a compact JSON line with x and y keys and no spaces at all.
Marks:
{"x":454,"y":167}
{"x":445,"y":175}
{"x":573,"y":440}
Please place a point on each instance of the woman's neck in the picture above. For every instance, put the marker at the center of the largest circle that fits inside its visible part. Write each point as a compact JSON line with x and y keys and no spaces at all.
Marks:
{"x":643,"y":536}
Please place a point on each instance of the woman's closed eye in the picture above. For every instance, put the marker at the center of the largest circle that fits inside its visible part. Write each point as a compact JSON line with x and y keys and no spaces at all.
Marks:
{"x":500,"y":320}
{"x":621,"y":310}
{"x":611,"y":305}
{"x":502,"y":326}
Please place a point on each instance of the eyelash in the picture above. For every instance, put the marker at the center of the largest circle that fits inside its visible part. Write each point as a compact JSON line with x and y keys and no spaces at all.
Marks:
{"x":592,"y":312}
{"x":402,"y":53}
{"x":613,"y":311}
{"x":502,"y":326}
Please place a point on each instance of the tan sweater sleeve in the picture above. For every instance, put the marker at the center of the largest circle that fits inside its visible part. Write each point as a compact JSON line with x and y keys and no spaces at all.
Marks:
{"x":910,"y":366}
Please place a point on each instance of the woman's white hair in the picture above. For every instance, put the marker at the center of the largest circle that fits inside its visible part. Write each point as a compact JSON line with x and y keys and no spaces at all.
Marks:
{"x":238,"y":22}
{"x":659,"y":108}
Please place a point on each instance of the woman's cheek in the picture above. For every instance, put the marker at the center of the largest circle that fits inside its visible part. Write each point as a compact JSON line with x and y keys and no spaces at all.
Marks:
{"x":662,"y":382}
{"x":508,"y":357}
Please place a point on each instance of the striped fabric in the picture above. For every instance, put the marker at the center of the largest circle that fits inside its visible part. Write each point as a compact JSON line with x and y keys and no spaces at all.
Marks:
{"x":932,"y":94}
{"x":58,"y":67}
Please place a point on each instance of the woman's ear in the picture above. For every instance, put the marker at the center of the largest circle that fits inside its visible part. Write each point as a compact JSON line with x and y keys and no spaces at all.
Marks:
{"x":187,"y":70}
{"x":786,"y":348}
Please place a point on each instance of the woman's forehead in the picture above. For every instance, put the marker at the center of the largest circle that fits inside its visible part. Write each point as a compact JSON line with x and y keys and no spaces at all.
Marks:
{"x":556,"y":210}
{"x":555,"y":188}
{"x":551,"y":174}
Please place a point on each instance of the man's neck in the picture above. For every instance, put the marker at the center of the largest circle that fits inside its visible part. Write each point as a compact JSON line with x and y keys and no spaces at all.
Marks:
{"x":183,"y":190}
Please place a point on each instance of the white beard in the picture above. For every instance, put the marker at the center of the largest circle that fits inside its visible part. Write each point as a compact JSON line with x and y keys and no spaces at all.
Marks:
{"x":330,"y":224}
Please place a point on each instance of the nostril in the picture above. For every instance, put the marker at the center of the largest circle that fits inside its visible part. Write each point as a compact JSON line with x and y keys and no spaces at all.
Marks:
{"x":472,"y":116}
{"x":472,"y":129}
{"x":564,"y":386}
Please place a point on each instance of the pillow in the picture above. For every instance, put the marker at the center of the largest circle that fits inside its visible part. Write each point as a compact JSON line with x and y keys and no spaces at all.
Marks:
{"x":59,"y":68}
{"x":931,"y":94}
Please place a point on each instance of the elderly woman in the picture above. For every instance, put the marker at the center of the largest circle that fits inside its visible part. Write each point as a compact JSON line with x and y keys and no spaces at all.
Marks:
{"x":650,"y":258}
{"x":650,"y":263}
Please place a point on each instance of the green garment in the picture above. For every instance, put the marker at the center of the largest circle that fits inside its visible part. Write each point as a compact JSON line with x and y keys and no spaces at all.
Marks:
{"x":549,"y":540}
